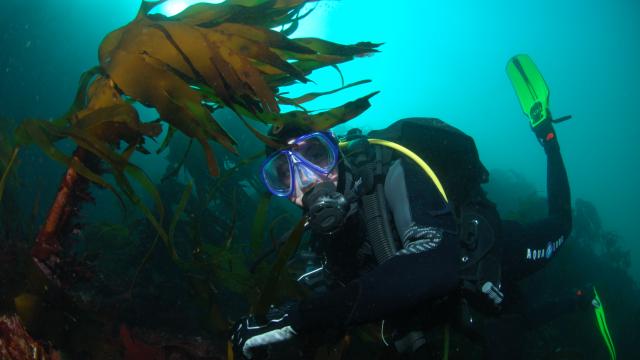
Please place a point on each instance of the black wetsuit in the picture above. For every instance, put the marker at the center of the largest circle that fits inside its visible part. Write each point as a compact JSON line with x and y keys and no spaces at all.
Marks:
{"x":526,"y":249}
{"x":407,"y":281}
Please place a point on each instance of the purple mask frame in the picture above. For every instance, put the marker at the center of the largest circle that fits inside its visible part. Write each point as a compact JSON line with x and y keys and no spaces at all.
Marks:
{"x":294,"y":157}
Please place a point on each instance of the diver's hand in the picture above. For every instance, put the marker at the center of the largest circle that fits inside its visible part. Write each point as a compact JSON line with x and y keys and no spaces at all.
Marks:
{"x":545,"y":132}
{"x":249,"y":335}
{"x":546,"y":135}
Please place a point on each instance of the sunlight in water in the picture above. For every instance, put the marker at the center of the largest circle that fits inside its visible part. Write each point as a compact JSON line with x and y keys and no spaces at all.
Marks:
{"x":310,"y":26}
{"x":173,"y":7}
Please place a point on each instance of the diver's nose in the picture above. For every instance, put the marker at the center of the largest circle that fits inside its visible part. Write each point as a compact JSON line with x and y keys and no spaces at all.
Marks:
{"x":305,"y":177}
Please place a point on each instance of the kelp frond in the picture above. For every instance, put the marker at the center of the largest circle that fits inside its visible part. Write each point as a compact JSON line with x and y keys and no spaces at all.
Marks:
{"x":6,"y":171}
{"x":225,"y":54}
{"x":208,"y":57}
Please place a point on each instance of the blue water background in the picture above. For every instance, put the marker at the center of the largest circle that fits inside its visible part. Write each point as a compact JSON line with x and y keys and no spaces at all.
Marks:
{"x":440,"y":58}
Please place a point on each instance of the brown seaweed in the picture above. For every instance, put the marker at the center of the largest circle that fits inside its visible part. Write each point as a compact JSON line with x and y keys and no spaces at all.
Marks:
{"x":210,"y":56}
{"x":259,"y":227}
{"x":210,"y":53}
{"x":7,"y":169}
{"x":267,"y":293}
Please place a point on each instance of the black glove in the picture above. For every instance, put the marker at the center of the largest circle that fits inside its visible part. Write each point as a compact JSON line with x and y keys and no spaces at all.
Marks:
{"x":547,"y":137}
{"x":249,"y":334}
{"x":545,"y":132}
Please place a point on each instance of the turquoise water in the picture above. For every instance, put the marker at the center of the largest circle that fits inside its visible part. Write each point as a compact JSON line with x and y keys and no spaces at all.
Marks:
{"x":447,"y":59}
{"x":442,"y":59}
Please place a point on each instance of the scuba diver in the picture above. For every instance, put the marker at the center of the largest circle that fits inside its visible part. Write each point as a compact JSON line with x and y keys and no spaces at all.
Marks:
{"x":394,"y":242}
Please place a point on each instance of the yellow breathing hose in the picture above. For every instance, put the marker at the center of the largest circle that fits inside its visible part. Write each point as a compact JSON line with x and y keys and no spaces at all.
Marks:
{"x":413,"y":156}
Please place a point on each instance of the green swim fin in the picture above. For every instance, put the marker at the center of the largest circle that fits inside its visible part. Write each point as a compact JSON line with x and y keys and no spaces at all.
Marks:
{"x":602,"y":324}
{"x":530,"y":87}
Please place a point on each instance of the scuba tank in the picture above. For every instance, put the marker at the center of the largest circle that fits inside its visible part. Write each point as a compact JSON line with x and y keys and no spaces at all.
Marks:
{"x":453,"y":156}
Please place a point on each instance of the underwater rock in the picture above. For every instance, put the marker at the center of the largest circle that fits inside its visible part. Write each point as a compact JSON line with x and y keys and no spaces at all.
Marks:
{"x":16,"y":343}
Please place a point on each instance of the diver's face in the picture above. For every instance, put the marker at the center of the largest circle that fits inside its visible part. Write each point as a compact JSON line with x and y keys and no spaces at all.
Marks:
{"x":306,"y":179}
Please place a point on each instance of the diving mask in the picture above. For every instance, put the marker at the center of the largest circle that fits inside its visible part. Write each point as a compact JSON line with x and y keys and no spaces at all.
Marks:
{"x":308,"y":160}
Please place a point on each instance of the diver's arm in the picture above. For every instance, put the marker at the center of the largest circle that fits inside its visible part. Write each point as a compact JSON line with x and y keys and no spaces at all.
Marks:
{"x":558,"y":192}
{"x":400,"y":283}
{"x":529,"y":246}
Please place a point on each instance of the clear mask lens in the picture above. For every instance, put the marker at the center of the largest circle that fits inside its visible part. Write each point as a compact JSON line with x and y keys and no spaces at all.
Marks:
{"x":277,"y":173}
{"x":316,"y":151}
{"x":305,"y":176}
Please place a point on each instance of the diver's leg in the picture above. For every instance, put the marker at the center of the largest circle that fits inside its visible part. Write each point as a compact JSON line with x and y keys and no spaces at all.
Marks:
{"x":546,"y":311}
{"x":503,"y":337}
